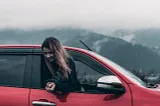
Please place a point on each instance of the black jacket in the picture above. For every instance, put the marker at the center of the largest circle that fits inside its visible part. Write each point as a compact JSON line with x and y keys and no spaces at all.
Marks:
{"x":67,"y":85}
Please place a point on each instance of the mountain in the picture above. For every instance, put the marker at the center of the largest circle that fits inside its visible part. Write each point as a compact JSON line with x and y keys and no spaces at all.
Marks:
{"x":148,"y":37}
{"x":16,"y":36}
{"x":129,"y":55}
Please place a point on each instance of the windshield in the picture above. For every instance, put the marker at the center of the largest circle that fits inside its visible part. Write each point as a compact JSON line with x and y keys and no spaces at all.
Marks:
{"x":122,"y":70}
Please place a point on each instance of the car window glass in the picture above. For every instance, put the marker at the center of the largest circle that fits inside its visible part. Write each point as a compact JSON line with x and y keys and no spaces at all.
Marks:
{"x":87,"y":68}
{"x":12,"y":68}
{"x":86,"y":74}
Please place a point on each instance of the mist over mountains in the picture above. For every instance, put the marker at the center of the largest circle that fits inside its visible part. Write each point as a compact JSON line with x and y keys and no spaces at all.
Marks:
{"x":129,"y":49}
{"x":12,"y":36}
{"x":148,"y":37}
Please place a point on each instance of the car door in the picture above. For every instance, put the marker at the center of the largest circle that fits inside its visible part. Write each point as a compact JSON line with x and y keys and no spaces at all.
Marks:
{"x":15,"y":72}
{"x":88,"y":71}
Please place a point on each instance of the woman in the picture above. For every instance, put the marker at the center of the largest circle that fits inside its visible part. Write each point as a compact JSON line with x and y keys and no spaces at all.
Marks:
{"x":61,"y":67}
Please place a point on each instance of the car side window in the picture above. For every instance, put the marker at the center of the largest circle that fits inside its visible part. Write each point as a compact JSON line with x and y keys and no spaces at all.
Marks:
{"x":88,"y":70}
{"x":12,"y":70}
{"x":86,"y":74}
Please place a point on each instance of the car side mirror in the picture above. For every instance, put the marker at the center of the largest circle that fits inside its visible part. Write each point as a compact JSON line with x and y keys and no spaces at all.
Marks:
{"x":110,"y":84}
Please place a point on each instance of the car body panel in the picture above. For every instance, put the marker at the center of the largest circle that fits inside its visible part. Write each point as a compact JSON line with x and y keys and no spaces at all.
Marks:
{"x":80,"y":99}
{"x":145,"y":96}
{"x":11,"y":96}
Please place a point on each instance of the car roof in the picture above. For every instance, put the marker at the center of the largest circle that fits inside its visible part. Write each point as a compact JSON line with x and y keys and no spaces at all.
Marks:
{"x":19,"y":46}
{"x":35,"y":46}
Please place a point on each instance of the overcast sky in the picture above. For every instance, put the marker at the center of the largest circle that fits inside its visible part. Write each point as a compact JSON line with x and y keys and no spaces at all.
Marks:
{"x":91,"y":14}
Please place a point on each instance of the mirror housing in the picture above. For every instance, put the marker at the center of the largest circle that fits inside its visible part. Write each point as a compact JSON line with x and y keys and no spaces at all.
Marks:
{"x":110,"y":84}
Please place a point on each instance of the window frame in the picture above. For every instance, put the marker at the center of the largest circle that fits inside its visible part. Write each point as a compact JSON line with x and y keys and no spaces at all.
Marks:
{"x":28,"y":64}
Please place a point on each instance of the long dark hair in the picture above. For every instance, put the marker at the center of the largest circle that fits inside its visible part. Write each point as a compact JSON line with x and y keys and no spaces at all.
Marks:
{"x":60,"y":56}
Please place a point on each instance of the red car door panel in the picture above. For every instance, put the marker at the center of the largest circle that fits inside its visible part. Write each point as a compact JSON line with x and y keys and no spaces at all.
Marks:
{"x":80,"y":99}
{"x":10,"y":96}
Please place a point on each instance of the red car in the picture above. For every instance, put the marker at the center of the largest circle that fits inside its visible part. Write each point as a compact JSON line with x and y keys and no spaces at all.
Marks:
{"x":103,"y":82}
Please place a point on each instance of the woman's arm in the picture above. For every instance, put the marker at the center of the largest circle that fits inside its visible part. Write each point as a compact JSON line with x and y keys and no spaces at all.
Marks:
{"x":71,"y":84}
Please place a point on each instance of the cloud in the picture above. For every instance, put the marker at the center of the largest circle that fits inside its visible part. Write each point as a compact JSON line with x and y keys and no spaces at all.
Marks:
{"x":92,"y":14}
{"x":97,"y":44}
{"x":128,"y":38}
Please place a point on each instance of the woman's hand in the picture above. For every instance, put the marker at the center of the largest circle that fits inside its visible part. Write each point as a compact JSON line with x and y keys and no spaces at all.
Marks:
{"x":50,"y":86}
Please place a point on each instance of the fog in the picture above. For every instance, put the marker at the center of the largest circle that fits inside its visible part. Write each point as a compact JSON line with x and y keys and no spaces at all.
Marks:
{"x":100,"y":15}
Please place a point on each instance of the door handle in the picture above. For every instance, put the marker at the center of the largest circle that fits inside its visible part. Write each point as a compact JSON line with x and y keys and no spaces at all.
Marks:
{"x":41,"y":103}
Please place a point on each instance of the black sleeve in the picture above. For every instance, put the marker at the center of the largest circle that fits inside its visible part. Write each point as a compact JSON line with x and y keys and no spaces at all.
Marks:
{"x":71,"y":84}
{"x":73,"y":76}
